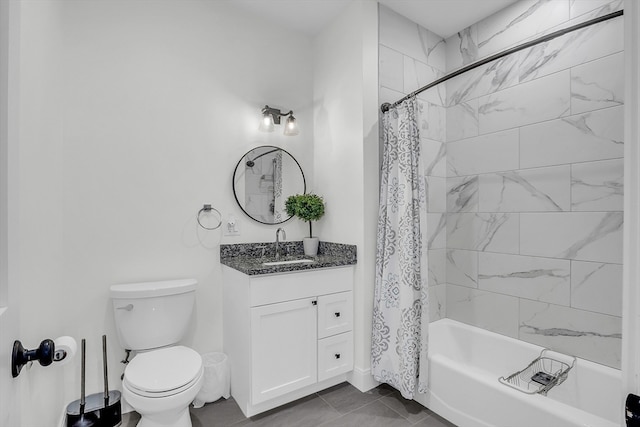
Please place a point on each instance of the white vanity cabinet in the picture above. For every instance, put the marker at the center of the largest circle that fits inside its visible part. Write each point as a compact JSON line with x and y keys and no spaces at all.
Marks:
{"x":287,"y":335}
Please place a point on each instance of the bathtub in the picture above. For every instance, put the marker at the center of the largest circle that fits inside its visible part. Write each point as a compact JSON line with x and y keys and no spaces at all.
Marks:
{"x":465,"y":363}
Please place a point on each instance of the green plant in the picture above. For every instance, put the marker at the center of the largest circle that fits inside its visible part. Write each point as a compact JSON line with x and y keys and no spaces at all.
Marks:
{"x":307,"y":207}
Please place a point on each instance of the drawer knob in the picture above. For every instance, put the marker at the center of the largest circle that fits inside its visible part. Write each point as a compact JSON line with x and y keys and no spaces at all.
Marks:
{"x":337,"y":355}
{"x":337,"y":314}
{"x":314,"y":302}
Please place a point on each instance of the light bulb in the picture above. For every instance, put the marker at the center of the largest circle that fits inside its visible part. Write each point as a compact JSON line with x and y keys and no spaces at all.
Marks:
{"x":266,"y":124}
{"x":291,"y":126}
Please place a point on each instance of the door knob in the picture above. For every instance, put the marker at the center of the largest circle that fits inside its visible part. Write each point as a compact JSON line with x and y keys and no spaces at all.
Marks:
{"x":21,"y":356}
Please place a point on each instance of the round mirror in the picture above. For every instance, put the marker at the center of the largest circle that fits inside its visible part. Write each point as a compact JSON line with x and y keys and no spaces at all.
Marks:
{"x":263,"y":180}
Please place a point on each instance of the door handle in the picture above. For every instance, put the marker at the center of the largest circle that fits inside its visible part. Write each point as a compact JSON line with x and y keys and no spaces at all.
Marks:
{"x":127,"y":307}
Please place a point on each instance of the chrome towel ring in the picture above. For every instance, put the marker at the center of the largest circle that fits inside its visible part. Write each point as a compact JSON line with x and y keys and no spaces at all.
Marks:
{"x":209,"y":208}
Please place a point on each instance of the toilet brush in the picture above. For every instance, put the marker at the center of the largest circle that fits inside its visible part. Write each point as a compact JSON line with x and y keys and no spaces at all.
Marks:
{"x":97,"y":409}
{"x":111,"y":413}
{"x":78,"y":414}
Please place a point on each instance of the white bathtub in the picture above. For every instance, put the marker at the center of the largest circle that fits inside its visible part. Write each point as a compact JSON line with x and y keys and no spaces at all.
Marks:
{"x":465,"y":363}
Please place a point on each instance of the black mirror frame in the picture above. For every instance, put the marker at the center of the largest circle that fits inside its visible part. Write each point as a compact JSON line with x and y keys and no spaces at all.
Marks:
{"x":233,"y":182}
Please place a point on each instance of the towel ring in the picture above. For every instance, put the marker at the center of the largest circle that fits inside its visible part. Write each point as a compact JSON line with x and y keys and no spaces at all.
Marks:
{"x":208,"y":208}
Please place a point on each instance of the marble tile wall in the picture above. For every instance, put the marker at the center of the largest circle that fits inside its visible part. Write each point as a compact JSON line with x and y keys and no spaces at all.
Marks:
{"x":534,"y":179}
{"x":525,"y":176}
{"x":411,"y":56}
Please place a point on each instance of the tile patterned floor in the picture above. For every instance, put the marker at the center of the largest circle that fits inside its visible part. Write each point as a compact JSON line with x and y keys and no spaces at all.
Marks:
{"x":339,"y":406}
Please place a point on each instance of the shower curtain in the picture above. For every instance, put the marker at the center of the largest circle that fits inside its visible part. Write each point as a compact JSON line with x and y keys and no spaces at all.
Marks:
{"x":401,"y":311}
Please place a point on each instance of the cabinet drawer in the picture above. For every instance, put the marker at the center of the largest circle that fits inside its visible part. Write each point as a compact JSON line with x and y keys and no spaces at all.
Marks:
{"x":335,"y":314}
{"x":335,"y":355}
{"x":286,"y":287}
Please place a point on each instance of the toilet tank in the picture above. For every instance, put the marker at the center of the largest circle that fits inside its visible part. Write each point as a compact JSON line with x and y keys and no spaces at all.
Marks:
{"x":152,"y":314}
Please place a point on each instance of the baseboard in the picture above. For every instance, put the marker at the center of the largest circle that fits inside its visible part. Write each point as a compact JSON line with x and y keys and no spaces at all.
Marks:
{"x":362,"y":379}
{"x":250,"y":410}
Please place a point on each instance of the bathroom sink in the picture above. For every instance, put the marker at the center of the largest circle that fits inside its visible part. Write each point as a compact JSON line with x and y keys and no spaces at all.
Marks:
{"x":291,"y":261}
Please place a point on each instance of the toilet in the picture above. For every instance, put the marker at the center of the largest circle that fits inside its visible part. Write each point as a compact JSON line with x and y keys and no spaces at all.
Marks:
{"x":163,"y":378}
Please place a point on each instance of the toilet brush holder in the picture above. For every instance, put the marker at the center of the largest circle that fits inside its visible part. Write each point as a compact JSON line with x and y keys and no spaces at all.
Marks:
{"x":79,"y":414}
{"x":94,"y":412}
{"x":98,"y":409}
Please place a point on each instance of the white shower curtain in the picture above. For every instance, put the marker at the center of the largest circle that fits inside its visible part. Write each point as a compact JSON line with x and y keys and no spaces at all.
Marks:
{"x":401,"y":310}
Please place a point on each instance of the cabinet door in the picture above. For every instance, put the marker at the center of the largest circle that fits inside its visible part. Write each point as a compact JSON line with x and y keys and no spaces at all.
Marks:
{"x":335,"y":314}
{"x":284,"y":348}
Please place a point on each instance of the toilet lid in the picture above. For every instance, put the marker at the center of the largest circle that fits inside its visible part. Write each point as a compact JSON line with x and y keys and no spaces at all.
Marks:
{"x":163,"y":370}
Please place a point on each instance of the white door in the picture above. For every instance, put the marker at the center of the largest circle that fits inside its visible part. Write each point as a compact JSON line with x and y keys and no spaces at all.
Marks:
{"x":9,"y":31}
{"x":283,"y":352}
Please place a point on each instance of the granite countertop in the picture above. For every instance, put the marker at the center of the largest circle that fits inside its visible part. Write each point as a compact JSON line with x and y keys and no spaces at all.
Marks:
{"x":248,"y":257}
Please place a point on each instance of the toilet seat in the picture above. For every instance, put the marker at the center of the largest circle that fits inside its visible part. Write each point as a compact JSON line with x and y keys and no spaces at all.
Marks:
{"x":163,"y":372}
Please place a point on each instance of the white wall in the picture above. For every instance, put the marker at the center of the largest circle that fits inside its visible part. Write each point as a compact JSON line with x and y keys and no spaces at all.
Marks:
{"x":133,"y":115}
{"x":9,"y":299}
{"x":631,"y":294}
{"x":411,"y":56}
{"x":522,"y":179}
{"x":535,"y":177}
{"x":345,"y":151}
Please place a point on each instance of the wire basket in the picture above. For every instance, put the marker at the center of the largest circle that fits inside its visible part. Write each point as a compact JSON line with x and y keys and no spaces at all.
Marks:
{"x":539,"y":376}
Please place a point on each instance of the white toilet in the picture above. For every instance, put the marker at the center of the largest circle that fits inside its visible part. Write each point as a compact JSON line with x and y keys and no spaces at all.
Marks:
{"x":162,"y":378}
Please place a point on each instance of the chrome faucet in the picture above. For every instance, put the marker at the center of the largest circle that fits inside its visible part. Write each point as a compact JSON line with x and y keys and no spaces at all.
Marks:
{"x":284,"y":237}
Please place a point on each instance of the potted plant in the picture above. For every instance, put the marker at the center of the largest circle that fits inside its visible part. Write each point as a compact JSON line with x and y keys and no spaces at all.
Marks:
{"x":307,"y":207}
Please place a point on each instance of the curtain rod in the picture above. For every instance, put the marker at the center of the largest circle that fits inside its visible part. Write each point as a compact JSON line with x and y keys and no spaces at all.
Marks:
{"x":387,"y":106}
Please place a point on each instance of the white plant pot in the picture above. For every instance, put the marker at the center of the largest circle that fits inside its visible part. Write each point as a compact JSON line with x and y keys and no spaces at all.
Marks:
{"x":310,"y":246}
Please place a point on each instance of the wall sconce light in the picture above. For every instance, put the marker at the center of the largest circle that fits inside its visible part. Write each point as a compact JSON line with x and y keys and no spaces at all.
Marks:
{"x":271,"y":117}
